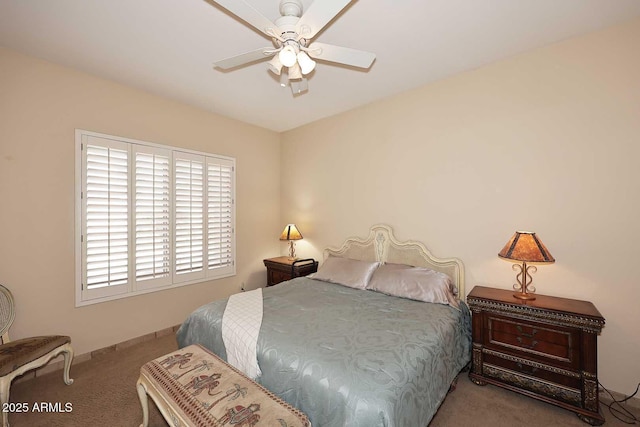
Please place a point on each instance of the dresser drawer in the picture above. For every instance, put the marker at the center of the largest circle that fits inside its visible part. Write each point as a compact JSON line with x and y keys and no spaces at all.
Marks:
{"x":531,"y":383}
{"x":565,"y":378}
{"x":533,"y":340}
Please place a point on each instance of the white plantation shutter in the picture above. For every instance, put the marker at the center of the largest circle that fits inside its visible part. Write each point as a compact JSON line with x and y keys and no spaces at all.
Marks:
{"x":150,"y":217}
{"x":220,"y":220}
{"x":189,"y":216}
{"x":106,"y":221}
{"x":152,"y":175}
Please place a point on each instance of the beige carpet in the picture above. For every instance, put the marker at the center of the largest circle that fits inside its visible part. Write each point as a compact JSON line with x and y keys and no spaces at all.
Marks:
{"x":104,"y":394}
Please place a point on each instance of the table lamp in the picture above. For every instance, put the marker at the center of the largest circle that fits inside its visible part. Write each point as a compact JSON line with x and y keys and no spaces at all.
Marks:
{"x":290,"y":234}
{"x":525,"y":247}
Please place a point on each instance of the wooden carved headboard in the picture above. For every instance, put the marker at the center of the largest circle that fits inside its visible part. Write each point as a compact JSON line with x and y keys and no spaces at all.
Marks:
{"x":381,"y":245}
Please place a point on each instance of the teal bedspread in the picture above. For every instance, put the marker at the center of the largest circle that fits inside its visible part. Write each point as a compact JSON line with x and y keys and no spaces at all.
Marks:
{"x":350,"y":357}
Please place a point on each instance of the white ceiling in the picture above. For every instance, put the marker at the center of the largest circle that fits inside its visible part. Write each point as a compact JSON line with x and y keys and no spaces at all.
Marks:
{"x":167,"y":47}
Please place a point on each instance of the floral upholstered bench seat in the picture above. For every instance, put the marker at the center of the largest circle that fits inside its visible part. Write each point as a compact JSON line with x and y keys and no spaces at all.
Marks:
{"x":194,"y":387}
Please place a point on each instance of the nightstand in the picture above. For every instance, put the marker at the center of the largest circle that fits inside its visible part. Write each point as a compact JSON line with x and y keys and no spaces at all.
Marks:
{"x":545,"y":348}
{"x":283,"y":268}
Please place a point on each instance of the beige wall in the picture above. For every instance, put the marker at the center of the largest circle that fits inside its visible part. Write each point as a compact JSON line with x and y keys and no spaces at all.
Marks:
{"x":548,"y":141}
{"x":40,"y":106}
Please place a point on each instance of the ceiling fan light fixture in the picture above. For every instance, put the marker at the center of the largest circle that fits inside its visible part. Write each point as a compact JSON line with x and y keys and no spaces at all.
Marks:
{"x":275,"y":66}
{"x":295,"y":72}
{"x":290,"y":34}
{"x":284,"y":79}
{"x":287,"y":56}
{"x":307,"y":64}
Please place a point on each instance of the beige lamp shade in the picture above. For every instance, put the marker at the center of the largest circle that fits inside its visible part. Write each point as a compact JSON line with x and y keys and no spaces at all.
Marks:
{"x":290,"y":232}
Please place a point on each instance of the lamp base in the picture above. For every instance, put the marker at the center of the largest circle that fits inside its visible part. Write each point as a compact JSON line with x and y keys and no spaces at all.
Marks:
{"x":523,"y":296}
{"x":292,"y":250}
{"x":524,"y":288}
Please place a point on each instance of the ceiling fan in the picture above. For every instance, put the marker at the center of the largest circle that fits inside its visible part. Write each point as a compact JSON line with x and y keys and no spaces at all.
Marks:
{"x":291,"y":35}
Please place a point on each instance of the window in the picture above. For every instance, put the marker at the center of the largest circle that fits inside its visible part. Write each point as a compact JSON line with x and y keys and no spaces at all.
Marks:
{"x":150,"y":217}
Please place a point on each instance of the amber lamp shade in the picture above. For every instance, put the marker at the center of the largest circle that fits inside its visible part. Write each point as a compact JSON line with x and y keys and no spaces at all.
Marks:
{"x":291,"y":233}
{"x":525,"y":247}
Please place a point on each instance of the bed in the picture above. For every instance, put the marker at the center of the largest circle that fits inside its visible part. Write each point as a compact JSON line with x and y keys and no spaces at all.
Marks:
{"x":355,"y":357}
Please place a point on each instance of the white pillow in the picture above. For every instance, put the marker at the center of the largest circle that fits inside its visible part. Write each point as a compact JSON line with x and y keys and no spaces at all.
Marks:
{"x":345,"y":271}
{"x":416,"y":283}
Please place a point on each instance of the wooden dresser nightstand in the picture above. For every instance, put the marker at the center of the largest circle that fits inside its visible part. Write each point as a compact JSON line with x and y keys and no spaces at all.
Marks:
{"x":283,"y":268}
{"x":545,"y":348}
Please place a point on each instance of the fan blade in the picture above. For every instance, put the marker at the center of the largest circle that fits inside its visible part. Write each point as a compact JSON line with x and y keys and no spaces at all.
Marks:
{"x":318,"y":15}
{"x":299,"y":86}
{"x":342,"y":55}
{"x":248,"y":14}
{"x":245,"y":58}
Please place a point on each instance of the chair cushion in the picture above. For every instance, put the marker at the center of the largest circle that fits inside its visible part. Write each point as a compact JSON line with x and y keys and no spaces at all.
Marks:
{"x":20,"y":352}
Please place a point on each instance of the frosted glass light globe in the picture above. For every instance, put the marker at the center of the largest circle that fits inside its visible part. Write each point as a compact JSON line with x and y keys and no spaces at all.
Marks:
{"x":287,"y":56}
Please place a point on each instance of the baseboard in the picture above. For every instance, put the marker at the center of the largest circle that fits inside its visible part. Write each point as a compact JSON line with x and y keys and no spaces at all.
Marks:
{"x":58,"y":362}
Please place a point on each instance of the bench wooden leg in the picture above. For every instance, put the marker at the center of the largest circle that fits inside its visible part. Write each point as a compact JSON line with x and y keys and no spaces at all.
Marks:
{"x":144,"y":402}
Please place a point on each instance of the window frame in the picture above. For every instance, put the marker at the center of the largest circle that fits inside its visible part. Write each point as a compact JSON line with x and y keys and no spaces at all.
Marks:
{"x":133,"y":287}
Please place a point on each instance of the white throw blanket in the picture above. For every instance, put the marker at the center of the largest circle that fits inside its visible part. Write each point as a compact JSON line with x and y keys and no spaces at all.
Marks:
{"x":241,"y":323}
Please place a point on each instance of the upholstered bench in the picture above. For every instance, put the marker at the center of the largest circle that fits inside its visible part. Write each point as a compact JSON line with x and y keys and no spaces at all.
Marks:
{"x":194,"y":387}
